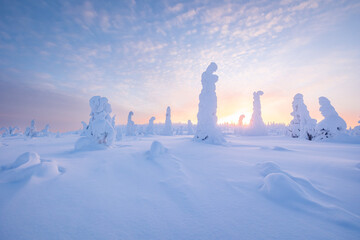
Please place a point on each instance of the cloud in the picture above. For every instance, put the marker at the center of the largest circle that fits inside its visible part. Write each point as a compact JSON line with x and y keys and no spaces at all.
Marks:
{"x":176,"y":8}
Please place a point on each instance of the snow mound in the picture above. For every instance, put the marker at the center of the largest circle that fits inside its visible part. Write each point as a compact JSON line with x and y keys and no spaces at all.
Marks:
{"x":157,"y":149}
{"x":298,"y":193}
{"x":25,"y":160}
{"x":87,"y":144}
{"x":29,"y":165}
{"x":283,"y":189}
{"x":267,"y":168}
{"x":281,"y":149}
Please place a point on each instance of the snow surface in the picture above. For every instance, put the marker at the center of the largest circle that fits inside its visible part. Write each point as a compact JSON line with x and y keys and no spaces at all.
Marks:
{"x":171,"y":187}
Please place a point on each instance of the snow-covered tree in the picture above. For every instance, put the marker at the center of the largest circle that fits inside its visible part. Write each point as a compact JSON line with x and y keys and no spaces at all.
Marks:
{"x":45,"y":132}
{"x":179,"y":130}
{"x":100,"y":130}
{"x":332,"y":124}
{"x":256,"y":126}
{"x":31,"y":131}
{"x":240,"y":126}
{"x":302,"y":125}
{"x":150,"y":127}
{"x":207,"y":130}
{"x":84,"y":128}
{"x":356,"y":130}
{"x":168,"y":131}
{"x":130,"y":126}
{"x":241,"y":120}
{"x":190,"y":128}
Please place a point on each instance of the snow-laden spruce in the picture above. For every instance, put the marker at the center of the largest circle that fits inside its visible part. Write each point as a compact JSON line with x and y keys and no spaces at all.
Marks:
{"x":256,"y":126}
{"x":46,"y":131}
{"x":101,"y":128}
{"x":207,"y":130}
{"x":167,"y":131}
{"x":190,"y":128}
{"x":150,"y":126}
{"x":10,"y":131}
{"x":130,"y":126}
{"x":240,"y":126}
{"x":302,"y":125}
{"x":332,"y":125}
{"x":356,"y":130}
{"x":31,"y":130}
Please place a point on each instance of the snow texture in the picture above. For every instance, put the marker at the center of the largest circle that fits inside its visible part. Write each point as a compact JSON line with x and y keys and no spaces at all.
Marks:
{"x":256,"y":126}
{"x":302,"y":125}
{"x":332,"y":125}
{"x":130,"y":126}
{"x":101,"y":128}
{"x":160,"y":187}
{"x":207,"y":130}
{"x":168,"y":131}
{"x":150,"y":126}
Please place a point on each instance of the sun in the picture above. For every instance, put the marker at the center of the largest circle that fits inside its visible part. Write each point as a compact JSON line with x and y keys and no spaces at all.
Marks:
{"x":234,"y":118}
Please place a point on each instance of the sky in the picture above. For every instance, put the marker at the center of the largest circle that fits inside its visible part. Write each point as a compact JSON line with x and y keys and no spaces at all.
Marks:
{"x":147,"y":55}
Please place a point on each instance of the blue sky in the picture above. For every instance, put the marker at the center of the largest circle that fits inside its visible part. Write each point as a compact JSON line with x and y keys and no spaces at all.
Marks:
{"x":146,"y":55}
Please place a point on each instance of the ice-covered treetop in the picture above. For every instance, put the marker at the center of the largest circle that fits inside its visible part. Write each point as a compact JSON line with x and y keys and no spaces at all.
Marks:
{"x":99,"y":104}
{"x":152,"y":119}
{"x":326,"y":108}
{"x":208,"y":79}
{"x":168,"y":110}
{"x":258,"y":94}
{"x":211,"y":68}
{"x":130,"y":115}
{"x":299,"y":96}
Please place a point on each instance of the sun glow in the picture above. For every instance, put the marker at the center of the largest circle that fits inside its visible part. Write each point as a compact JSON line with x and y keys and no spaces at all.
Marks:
{"x":234,"y":118}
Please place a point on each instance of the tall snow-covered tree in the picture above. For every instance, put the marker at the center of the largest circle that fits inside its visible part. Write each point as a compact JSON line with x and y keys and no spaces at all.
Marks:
{"x":256,"y":126}
{"x":332,"y":124}
{"x":130,"y":126}
{"x":302,"y":125}
{"x":207,"y":130}
{"x":168,"y":131}
{"x":150,"y":127}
